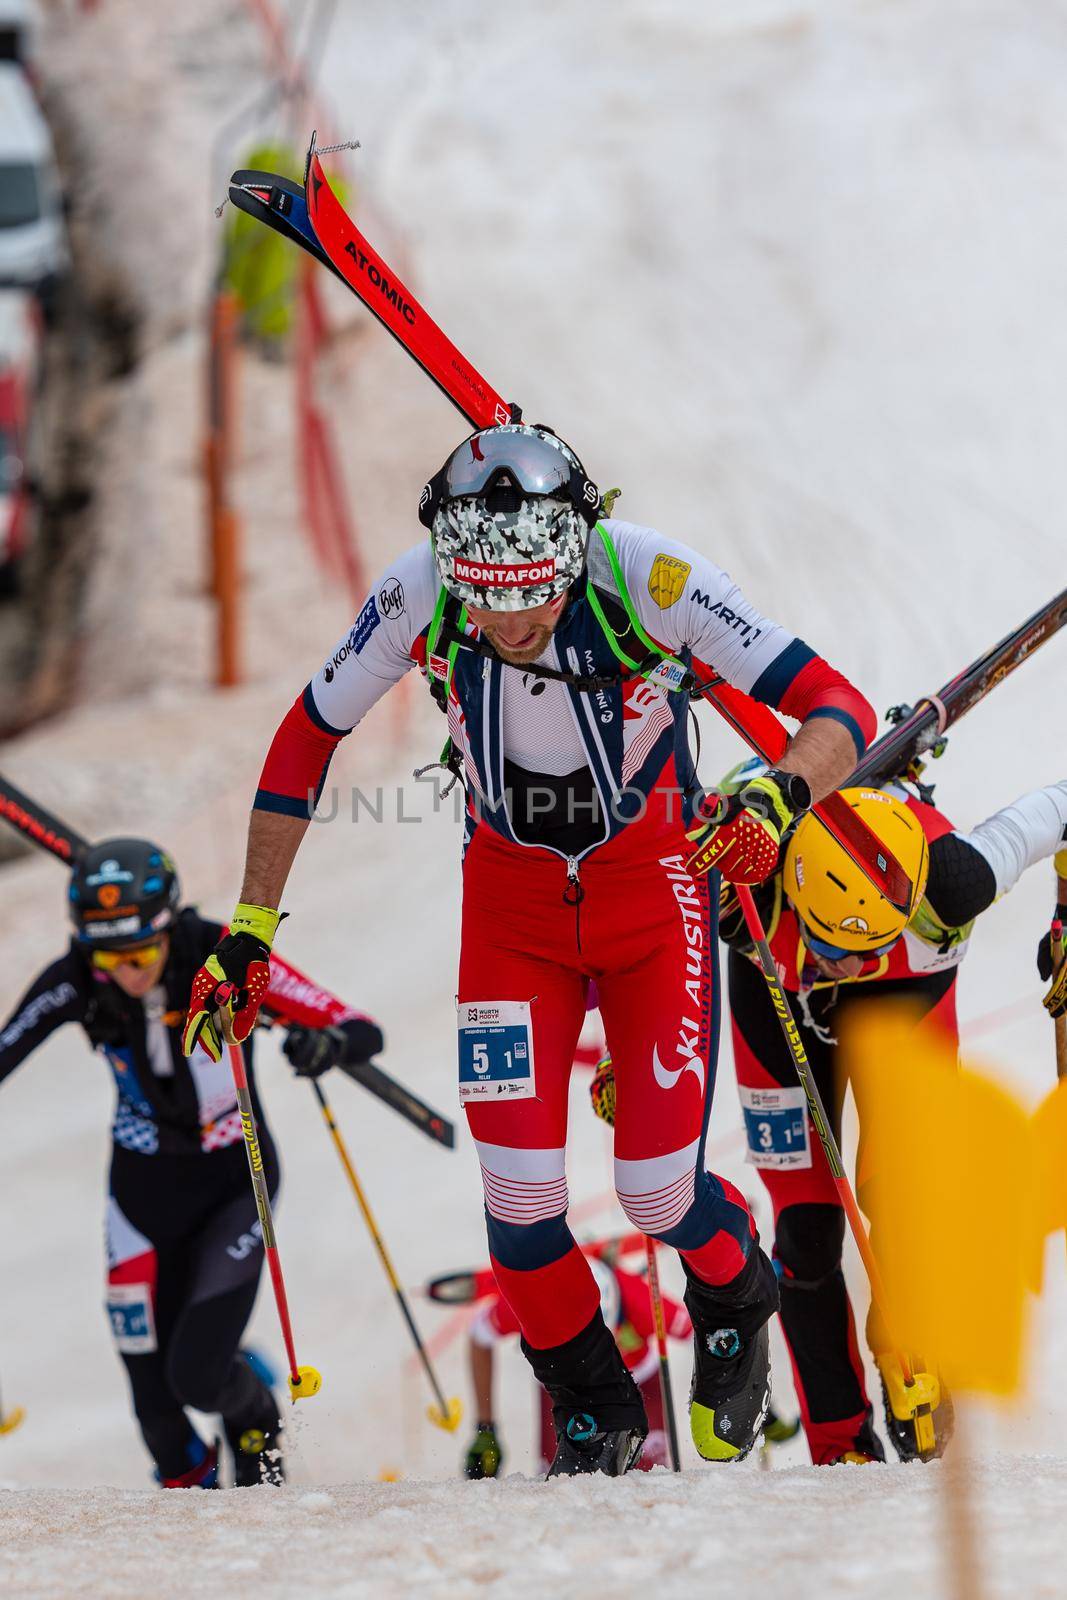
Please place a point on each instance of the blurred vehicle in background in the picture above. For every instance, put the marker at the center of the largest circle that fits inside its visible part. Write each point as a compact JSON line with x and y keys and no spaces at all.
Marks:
{"x":20,"y":358}
{"x":19,"y":31}
{"x":33,"y":235}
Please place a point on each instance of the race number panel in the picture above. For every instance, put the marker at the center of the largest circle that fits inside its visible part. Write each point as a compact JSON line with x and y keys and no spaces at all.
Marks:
{"x":776,"y":1127}
{"x":495,"y":1050}
{"x":129,"y":1308}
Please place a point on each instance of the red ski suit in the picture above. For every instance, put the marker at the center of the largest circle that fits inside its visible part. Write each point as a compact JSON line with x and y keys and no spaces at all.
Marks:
{"x":816,"y":1312}
{"x":643,"y":930}
{"x":554,"y":899}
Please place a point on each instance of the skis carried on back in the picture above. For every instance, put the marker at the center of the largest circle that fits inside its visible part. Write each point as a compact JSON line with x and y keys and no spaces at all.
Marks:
{"x":401,"y":1100}
{"x":40,"y":826}
{"x":280,"y":204}
{"x":311,"y":216}
{"x":315,"y":219}
{"x":920,"y":729}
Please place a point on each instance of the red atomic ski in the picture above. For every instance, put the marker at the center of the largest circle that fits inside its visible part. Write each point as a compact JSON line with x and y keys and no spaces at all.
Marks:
{"x":383,"y":293}
{"x":393,"y":303}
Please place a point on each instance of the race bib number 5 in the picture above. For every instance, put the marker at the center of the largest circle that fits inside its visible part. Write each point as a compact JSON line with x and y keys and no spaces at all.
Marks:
{"x":776,"y":1127}
{"x":496,"y":1059}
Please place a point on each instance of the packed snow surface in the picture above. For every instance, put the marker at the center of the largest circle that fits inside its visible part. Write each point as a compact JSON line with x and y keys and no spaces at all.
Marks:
{"x":792,"y":275}
{"x":736,"y":1532}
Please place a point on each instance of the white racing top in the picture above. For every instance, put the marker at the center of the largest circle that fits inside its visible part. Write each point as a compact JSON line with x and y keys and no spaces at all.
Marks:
{"x":680,"y":597}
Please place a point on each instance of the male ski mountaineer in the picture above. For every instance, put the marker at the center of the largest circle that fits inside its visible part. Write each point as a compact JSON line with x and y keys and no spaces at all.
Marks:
{"x":838,"y":944}
{"x":548,"y":638}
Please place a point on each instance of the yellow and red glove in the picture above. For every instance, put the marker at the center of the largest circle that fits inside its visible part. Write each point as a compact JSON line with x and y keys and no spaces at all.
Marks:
{"x":1052,"y":960}
{"x":741,"y":834}
{"x":228,"y":989}
{"x":602,"y":1091}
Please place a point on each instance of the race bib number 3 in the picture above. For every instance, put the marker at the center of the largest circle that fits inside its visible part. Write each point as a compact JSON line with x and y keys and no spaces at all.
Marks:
{"x":133,"y":1328}
{"x":495,"y":1050}
{"x":776,"y":1127}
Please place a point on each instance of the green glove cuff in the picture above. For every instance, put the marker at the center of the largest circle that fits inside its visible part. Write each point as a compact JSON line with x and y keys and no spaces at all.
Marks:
{"x":260,"y":921}
{"x":764,"y":794}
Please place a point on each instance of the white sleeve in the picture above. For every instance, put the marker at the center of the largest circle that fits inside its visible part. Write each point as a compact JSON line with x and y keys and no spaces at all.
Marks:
{"x":682,"y":599}
{"x":1027,"y":831}
{"x":376,"y":651}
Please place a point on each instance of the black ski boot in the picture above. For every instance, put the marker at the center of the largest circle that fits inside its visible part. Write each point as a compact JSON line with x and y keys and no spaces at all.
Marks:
{"x":583,"y":1447}
{"x":257,"y":1458}
{"x":253,"y":1425}
{"x":731,"y":1387}
{"x":597,"y":1409}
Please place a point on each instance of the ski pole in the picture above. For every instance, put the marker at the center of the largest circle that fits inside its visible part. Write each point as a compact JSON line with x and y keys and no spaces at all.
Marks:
{"x":303,"y":1381}
{"x":445,"y":1414}
{"x":659,"y":1322}
{"x":1059,"y":955}
{"x":1058,"y":951}
{"x":920,"y":1382}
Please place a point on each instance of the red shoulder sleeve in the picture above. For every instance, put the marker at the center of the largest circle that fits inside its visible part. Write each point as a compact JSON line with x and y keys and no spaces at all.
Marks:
{"x":297,"y":761}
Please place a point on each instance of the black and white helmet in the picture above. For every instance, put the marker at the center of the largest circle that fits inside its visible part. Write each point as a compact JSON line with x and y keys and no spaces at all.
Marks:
{"x":509,"y":515}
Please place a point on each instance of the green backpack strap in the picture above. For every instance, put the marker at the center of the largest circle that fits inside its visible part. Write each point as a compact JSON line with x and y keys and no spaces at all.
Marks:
{"x":446,"y":627}
{"x":610,"y":601}
{"x":448,"y":620}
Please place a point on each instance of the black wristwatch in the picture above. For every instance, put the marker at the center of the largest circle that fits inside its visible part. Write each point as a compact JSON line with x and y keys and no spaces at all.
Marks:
{"x":796,"y":789}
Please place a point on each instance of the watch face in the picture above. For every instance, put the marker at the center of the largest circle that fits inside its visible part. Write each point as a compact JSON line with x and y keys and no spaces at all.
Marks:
{"x":797,"y":790}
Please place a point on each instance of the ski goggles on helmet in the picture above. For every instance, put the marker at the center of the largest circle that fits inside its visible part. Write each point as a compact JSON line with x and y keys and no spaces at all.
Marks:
{"x":835,"y":952}
{"x":524,"y":460}
{"x":134,"y":955}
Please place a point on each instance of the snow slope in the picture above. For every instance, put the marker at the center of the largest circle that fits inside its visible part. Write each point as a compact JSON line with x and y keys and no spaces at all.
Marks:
{"x":789,"y":272}
{"x":737,"y":1532}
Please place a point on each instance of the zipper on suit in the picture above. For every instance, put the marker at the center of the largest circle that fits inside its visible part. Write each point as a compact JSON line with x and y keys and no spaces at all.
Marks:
{"x":573,"y":895}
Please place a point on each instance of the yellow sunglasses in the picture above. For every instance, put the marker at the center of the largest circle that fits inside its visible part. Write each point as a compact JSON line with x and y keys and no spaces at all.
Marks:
{"x":138,"y":955}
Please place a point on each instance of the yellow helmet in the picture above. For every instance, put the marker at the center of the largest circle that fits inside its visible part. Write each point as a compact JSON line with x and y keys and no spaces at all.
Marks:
{"x":833,"y":897}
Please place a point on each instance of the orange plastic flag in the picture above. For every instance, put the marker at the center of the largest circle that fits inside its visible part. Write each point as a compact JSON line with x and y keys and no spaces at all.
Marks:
{"x":1050,"y":1169}
{"x":946,"y":1177}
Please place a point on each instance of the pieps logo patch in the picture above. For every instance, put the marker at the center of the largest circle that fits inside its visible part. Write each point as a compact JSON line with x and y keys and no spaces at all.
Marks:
{"x":667,"y":580}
